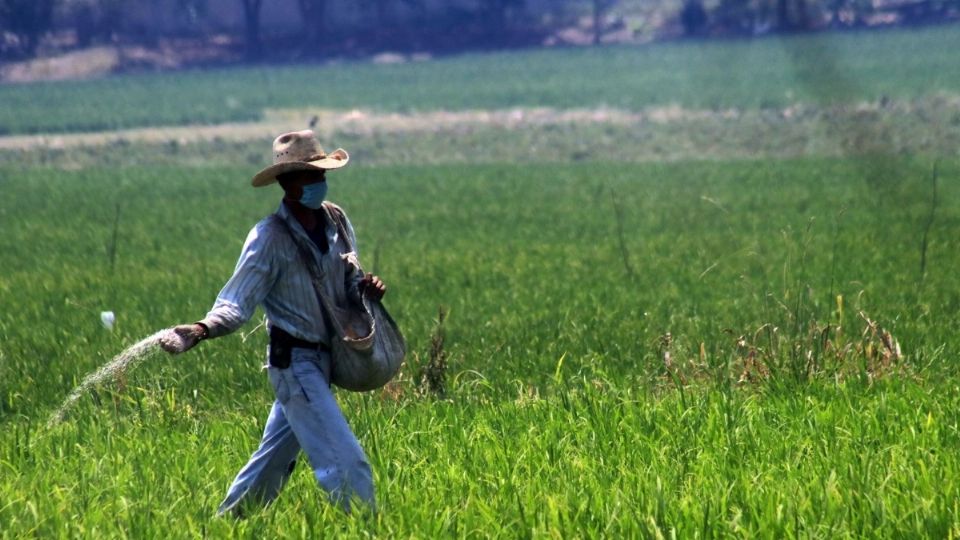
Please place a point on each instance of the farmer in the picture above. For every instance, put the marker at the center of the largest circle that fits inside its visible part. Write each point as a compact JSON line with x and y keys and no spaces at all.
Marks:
{"x":271,"y":272}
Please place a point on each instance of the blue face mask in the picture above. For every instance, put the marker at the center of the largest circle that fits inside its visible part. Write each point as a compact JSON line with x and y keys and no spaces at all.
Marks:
{"x":313,"y":195}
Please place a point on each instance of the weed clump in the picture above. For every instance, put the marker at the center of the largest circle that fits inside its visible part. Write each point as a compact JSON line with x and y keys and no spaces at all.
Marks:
{"x":823,"y":350}
{"x":432,"y":376}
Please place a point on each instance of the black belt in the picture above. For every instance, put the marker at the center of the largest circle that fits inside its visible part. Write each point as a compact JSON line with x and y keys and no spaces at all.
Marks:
{"x":282,"y":337}
{"x":281,"y":342}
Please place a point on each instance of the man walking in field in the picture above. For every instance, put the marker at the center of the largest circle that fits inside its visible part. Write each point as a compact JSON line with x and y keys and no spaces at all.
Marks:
{"x":272,"y":272}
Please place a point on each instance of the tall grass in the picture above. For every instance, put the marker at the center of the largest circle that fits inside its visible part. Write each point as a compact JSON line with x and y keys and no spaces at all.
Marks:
{"x":594,"y":459}
{"x":783,"y":411}
{"x":527,"y":259}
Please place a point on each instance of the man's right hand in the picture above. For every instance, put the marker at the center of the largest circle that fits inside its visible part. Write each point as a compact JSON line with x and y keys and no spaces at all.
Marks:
{"x":182,"y":338}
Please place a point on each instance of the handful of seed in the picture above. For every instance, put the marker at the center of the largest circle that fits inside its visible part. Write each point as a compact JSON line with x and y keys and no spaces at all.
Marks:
{"x":171,"y":340}
{"x":129,"y":358}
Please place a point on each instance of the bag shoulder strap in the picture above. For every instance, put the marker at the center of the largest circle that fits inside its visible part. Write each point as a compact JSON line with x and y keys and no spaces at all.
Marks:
{"x":316,"y":277}
{"x":339,"y":218}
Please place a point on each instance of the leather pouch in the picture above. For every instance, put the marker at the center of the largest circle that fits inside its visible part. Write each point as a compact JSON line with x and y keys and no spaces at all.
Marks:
{"x":279,"y":356}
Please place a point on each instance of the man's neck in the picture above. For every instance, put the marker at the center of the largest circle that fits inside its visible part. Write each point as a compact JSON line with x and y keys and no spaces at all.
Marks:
{"x":309,"y":219}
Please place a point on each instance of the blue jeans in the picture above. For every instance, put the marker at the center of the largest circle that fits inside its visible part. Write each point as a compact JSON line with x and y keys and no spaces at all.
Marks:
{"x":304,"y":416}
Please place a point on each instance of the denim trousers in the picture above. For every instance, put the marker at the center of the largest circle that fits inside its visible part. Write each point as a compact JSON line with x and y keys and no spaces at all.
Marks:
{"x":304,"y":416}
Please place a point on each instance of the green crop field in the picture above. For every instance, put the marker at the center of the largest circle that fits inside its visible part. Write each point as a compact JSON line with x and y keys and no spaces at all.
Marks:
{"x":734,"y":347}
{"x":749,"y":74}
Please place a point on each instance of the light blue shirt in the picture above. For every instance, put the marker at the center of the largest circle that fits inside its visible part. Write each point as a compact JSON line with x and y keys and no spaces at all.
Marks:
{"x":271,"y":273}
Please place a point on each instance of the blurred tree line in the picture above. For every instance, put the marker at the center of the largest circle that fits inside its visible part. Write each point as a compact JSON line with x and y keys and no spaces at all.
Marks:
{"x":752,"y":17}
{"x":323,"y":28}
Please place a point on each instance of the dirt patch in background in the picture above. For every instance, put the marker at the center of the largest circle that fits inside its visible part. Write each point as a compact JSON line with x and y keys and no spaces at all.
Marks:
{"x":85,"y":64}
{"x":95,"y":62}
{"x":357,"y":122}
{"x":928,"y":126}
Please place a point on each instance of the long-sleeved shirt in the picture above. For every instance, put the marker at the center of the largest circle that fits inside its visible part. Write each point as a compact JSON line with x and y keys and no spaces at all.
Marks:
{"x":271,"y":272}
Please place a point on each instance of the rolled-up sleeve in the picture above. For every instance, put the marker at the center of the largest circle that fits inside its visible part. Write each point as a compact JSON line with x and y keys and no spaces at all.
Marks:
{"x":255,"y":274}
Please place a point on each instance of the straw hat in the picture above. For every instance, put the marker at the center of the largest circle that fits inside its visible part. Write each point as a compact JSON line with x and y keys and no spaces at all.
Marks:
{"x":299,"y":151}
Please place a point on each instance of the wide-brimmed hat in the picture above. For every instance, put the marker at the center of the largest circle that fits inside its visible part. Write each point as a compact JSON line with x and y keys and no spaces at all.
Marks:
{"x":299,"y":151}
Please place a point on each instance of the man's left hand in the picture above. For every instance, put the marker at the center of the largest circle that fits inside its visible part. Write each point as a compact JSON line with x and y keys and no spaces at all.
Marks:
{"x":372,"y":287}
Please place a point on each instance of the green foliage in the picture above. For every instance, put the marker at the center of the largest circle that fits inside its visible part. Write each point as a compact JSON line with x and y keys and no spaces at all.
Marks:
{"x":746,"y":347}
{"x":819,"y":69}
{"x":592,"y":461}
{"x":561,"y":417}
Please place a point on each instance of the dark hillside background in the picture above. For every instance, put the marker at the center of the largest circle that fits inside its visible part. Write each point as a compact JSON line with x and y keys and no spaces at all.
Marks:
{"x":167,"y":34}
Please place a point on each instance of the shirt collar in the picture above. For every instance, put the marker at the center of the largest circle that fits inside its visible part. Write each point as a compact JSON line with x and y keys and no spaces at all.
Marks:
{"x":331,"y":228}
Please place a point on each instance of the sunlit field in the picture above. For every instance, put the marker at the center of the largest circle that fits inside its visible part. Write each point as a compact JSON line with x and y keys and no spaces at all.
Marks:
{"x":698,"y":348}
